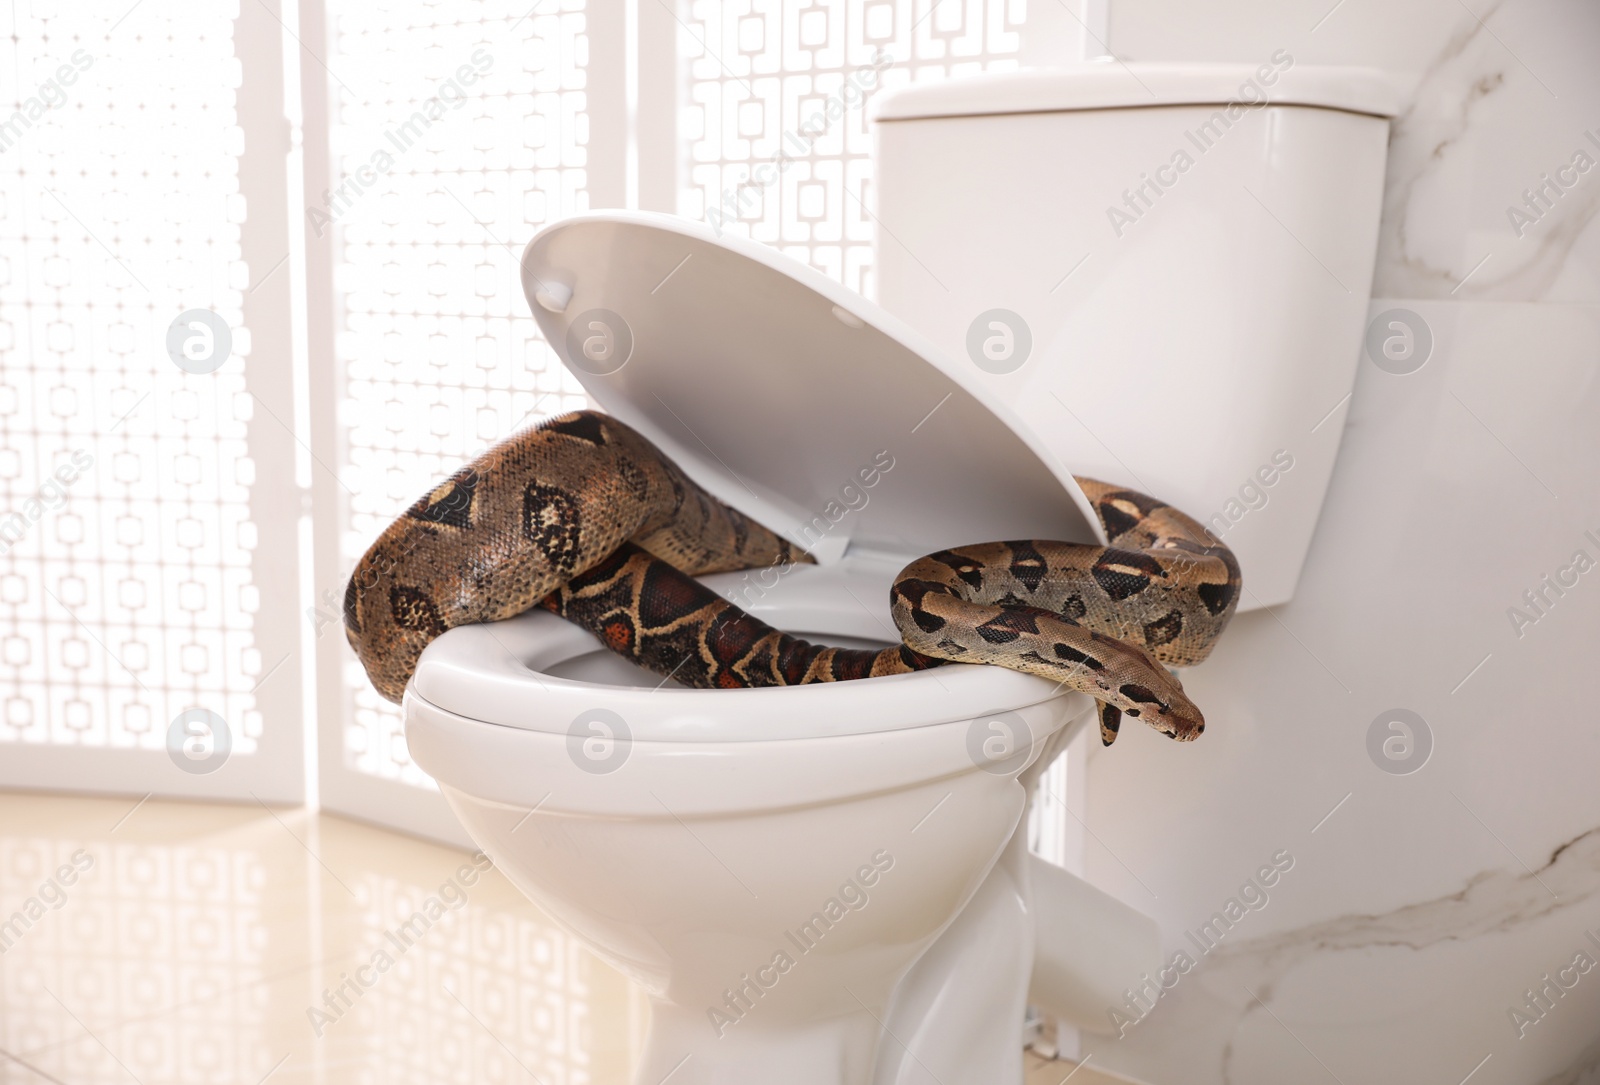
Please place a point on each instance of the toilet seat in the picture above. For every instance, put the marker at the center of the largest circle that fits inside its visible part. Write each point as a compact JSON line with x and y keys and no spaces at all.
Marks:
{"x":776,"y":389}
{"x":499,"y":673}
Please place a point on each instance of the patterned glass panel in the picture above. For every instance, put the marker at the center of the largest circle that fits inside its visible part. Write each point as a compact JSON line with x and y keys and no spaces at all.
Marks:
{"x":126,"y":594}
{"x":457,"y":133}
{"x":774,"y":119}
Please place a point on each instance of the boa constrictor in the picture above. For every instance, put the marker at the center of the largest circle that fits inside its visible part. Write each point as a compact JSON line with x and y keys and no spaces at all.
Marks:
{"x":585,"y":517}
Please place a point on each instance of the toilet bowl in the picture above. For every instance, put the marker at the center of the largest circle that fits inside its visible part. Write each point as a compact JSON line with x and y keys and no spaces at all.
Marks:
{"x":826,"y":883}
{"x":767,"y":864}
{"x":822,"y":883}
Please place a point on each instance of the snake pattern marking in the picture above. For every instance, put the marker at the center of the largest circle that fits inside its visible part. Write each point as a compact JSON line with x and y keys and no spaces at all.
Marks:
{"x":587,"y":518}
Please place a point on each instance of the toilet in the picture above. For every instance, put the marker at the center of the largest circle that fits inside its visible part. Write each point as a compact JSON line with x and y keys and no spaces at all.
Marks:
{"x":827,"y":883}
{"x":770,"y":864}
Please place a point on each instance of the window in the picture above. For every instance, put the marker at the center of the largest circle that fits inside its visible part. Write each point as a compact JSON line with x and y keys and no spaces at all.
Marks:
{"x":774,"y":124}
{"x":135,"y":408}
{"x":176,"y":534}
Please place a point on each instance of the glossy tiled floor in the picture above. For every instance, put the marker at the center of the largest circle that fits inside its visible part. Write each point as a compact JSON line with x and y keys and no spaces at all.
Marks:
{"x":194,"y":940}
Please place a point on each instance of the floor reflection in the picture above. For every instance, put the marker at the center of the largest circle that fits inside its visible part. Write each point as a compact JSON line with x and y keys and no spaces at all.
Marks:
{"x":173,"y":942}
{"x":184,"y":942}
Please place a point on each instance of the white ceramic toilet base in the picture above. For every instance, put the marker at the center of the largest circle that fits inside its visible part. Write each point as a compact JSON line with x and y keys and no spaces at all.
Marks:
{"x":862,"y":1006}
{"x":690,"y":879}
{"x":929,"y":933}
{"x":957,"y":1016}
{"x":682,"y":1051}
{"x":954,"y":1019}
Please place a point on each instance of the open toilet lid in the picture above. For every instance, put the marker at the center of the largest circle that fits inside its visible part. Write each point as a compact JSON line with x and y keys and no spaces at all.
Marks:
{"x":788,"y":396}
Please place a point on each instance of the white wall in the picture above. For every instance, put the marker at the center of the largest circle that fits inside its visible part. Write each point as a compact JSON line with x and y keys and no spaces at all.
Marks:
{"x":1500,"y":97}
{"x":1417,"y":915}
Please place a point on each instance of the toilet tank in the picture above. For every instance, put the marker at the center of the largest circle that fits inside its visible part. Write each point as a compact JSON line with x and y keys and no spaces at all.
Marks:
{"x":1163,"y":269}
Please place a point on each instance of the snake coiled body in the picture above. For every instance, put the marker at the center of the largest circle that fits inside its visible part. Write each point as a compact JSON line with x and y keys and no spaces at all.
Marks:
{"x":585,"y":517}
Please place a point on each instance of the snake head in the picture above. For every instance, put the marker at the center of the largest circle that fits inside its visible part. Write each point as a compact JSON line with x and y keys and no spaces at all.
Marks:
{"x":1168,"y":709}
{"x":1135,"y":684}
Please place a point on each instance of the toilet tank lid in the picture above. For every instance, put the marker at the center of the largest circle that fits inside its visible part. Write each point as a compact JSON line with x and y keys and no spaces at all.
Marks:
{"x":788,"y":396}
{"x":1116,"y":85}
